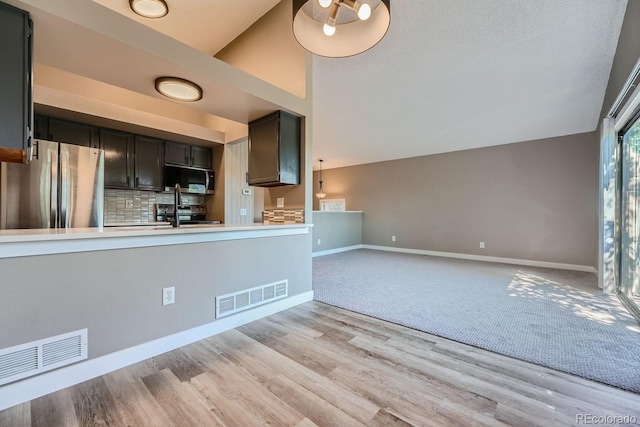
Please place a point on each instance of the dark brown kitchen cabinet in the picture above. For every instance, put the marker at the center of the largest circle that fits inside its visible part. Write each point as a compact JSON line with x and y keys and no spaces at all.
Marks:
{"x":274,"y":150}
{"x":201,"y":157}
{"x":73,"y":133}
{"x":181,"y":154}
{"x":176,"y":153}
{"x":118,"y":158}
{"x":40,"y":127}
{"x":148,"y":162}
{"x":16,"y":103}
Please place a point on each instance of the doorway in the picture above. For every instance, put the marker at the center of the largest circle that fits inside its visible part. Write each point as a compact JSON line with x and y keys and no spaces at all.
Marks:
{"x":628,"y":283}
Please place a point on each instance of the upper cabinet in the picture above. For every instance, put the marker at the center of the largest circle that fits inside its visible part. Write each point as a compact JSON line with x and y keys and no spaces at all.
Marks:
{"x":73,"y":133}
{"x":274,"y":150}
{"x":181,"y":154}
{"x":148,"y":161}
{"x":118,"y":158}
{"x":16,"y":103}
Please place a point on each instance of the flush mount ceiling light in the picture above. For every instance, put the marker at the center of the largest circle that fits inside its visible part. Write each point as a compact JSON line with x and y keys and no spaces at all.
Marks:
{"x":178,"y":89}
{"x":320,"y":194}
{"x":149,"y":8}
{"x":339,"y":28}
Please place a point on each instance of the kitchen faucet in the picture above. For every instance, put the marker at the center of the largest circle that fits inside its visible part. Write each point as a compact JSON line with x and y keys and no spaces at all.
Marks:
{"x":177,"y":201}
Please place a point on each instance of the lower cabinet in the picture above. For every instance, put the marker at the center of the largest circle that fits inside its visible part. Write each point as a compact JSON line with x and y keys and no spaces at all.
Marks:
{"x":148,"y":163}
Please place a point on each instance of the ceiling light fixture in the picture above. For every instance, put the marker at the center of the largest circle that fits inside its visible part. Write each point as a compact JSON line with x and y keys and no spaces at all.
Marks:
{"x":178,"y":89}
{"x":149,"y":8}
{"x":323,"y":28}
{"x":320,"y":194}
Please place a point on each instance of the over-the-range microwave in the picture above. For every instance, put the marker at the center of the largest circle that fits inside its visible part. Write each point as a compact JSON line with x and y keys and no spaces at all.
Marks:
{"x":191,"y":180}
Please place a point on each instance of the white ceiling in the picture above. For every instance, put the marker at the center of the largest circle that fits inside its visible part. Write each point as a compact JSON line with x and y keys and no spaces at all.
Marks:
{"x":449,"y":75}
{"x":459,"y":74}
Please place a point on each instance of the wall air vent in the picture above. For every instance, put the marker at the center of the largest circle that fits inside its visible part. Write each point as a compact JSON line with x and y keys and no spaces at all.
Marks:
{"x":249,"y":298}
{"x":33,"y":358}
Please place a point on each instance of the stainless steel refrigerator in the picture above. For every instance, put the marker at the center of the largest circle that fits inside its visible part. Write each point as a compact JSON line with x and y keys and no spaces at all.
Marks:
{"x":62,"y":187}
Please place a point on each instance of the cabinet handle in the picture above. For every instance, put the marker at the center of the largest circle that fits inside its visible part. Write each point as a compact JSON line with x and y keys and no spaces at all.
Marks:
{"x":137,"y":181}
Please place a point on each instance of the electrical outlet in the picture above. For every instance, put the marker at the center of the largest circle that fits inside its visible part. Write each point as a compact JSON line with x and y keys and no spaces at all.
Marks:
{"x":128,"y":204}
{"x":481,"y":245}
{"x":393,"y":238}
{"x":168,"y":295}
{"x":243,"y":211}
{"x":319,"y":242}
{"x":280,"y":202}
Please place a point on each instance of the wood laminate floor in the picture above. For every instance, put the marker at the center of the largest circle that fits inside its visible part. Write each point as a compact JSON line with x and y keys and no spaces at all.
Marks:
{"x":319,"y":365}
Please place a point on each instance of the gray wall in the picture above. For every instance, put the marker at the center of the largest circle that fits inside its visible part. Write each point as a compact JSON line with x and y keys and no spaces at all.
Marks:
{"x":117,"y":294}
{"x":336,"y":230}
{"x":532,"y":200}
{"x":627,"y":54}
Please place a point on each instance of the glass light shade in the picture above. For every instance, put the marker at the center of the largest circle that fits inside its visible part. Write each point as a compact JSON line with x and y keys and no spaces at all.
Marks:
{"x":149,"y":8}
{"x":350,"y":38}
{"x":178,"y":89}
{"x":328,"y":30}
{"x":364,"y":11}
{"x":325,"y":3}
{"x":321,"y":195}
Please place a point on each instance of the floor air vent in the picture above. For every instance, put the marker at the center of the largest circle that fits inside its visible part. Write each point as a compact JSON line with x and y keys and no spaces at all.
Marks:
{"x":249,"y":298}
{"x":33,"y":358}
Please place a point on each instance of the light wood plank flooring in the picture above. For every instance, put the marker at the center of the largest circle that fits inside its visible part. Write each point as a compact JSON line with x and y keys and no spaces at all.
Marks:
{"x":320,"y":365}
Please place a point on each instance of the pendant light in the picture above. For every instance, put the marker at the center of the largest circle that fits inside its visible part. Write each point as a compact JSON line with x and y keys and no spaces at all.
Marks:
{"x":320,"y":194}
{"x":340,"y":28}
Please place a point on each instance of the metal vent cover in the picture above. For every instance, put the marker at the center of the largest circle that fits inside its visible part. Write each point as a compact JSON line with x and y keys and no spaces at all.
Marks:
{"x":33,"y":358}
{"x":248,"y":298}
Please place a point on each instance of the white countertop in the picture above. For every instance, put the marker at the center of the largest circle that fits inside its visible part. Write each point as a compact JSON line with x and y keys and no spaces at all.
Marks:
{"x":24,"y":242}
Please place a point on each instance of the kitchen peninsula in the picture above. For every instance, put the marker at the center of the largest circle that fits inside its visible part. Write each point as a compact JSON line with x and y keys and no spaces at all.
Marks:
{"x":110,"y":282}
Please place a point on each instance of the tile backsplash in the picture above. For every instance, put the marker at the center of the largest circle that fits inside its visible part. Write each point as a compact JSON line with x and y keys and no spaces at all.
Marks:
{"x":138,"y":207}
{"x":283,"y":216}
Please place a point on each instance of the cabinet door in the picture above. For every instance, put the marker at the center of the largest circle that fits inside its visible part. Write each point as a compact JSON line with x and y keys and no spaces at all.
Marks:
{"x":73,"y":133}
{"x":118,"y":153}
{"x":201,"y":157}
{"x":263,"y":151}
{"x":176,"y":153}
{"x":15,"y":83}
{"x":40,"y":127}
{"x":148,"y":163}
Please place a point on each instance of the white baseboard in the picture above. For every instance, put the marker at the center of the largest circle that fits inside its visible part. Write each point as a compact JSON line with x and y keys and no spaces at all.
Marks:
{"x":32,"y":388}
{"x":560,"y":266}
{"x":336,"y":250}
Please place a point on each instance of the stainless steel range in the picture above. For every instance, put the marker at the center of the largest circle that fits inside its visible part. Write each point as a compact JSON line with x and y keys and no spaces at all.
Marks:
{"x":193,"y":214}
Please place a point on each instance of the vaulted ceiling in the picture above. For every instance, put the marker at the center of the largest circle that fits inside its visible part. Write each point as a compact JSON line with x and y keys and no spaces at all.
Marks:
{"x":449,"y":75}
{"x":460,"y":74}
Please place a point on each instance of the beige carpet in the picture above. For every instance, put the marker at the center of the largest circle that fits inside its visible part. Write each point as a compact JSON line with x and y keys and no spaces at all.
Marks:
{"x":554,"y":318}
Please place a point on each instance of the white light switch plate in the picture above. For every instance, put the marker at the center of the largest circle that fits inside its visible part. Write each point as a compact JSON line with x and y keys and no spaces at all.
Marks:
{"x":243,"y":211}
{"x":280,"y":202}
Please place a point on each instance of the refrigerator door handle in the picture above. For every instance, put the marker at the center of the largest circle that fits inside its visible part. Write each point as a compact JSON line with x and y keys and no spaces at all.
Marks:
{"x":64,"y":189}
{"x":53,"y":217}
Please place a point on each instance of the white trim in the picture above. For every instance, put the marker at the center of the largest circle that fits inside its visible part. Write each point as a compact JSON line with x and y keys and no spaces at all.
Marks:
{"x":32,"y":388}
{"x":627,"y":111}
{"x":336,"y":250}
{"x":18,"y":243}
{"x":532,"y":263}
